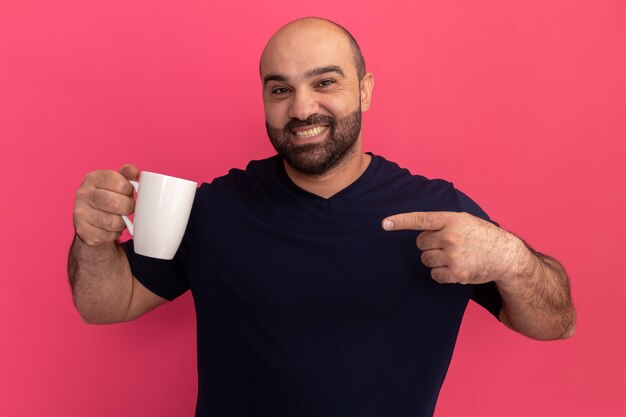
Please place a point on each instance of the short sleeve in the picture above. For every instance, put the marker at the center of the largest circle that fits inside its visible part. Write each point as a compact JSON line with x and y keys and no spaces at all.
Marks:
{"x":165,"y":278}
{"x":487,"y":294}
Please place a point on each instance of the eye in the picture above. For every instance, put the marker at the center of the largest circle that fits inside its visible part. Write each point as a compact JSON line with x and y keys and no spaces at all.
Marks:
{"x":280,"y":91}
{"x":325,"y":83}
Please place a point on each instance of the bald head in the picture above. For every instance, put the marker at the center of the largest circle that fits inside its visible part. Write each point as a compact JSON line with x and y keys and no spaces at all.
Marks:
{"x":296,"y":33}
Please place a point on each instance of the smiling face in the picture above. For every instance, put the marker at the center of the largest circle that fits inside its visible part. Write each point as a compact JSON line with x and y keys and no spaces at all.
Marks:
{"x":312,"y":95}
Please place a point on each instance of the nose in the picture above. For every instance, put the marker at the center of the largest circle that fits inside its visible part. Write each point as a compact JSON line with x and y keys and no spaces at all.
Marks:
{"x":303,"y":105}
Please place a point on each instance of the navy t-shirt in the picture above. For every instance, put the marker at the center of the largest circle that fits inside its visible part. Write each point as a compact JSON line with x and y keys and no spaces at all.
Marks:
{"x":305,"y":306}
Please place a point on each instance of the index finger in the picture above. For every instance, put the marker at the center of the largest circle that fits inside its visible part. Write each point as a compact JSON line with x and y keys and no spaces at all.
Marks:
{"x":417,"y":220}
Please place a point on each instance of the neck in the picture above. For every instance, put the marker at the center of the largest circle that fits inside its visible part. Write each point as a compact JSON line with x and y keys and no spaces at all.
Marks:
{"x":335,"y":180}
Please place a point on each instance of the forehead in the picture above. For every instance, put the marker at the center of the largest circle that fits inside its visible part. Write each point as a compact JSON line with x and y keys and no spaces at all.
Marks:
{"x":294,"y":51}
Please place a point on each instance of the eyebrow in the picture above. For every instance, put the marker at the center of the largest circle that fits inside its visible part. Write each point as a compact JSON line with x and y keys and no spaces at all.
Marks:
{"x":324,"y":70}
{"x":309,"y":74}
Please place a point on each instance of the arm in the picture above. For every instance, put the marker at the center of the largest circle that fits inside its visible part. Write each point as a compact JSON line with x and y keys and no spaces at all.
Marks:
{"x":537,"y":303}
{"x":103,"y":287}
{"x":461,"y":248}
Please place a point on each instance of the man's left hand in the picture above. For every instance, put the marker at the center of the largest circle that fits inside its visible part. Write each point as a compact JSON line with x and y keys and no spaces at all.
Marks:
{"x":461,"y":248}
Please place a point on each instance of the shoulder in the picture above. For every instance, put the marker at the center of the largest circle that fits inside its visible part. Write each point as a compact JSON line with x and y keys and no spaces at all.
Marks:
{"x":468,"y":205}
{"x":392,"y":176}
{"x":387,"y":168}
{"x":255,"y":170}
{"x":431,"y":192}
{"x":259,"y":177}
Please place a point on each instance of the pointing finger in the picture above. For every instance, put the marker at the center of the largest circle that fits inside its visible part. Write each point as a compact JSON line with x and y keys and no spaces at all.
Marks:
{"x":418,"y":220}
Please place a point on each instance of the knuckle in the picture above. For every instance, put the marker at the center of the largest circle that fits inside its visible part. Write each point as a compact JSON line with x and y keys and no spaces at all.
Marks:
{"x":464,"y":217}
{"x":78,"y":212}
{"x":455,"y":218}
{"x":79,"y":217}
{"x":109,"y":202}
{"x":91,"y":177}
{"x":454,"y":257}
{"x":101,"y":220}
{"x":95,"y":177}
{"x":462,"y":275}
{"x":127,"y":206}
{"x":117,"y":224}
{"x":431,"y":219}
{"x":452,"y":239}
{"x":99,"y":198}
{"x":80,"y":230}
{"x":82,"y":194}
{"x":120,"y":185}
{"x":104,"y":236}
{"x":108,"y":222}
{"x":416,"y":218}
{"x":422,"y":218}
{"x":108,"y":180}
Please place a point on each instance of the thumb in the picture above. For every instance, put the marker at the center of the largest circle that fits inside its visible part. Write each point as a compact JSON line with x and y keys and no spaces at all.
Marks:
{"x":130,"y":171}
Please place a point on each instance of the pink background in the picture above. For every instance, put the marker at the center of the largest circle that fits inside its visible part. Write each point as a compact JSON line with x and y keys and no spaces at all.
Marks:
{"x":522,"y":104}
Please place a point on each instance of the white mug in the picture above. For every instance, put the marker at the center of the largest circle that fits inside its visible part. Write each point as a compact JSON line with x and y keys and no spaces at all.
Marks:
{"x":161,"y":214}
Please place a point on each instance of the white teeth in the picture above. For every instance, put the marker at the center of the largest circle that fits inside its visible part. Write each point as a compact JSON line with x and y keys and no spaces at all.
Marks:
{"x":311,"y":132}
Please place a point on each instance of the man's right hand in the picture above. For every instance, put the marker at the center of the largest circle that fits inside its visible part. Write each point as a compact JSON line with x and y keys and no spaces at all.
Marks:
{"x":100,"y":202}
{"x":103,"y":286}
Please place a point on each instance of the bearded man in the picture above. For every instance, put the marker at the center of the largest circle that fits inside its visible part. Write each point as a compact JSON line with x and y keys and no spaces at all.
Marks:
{"x":315,"y":293}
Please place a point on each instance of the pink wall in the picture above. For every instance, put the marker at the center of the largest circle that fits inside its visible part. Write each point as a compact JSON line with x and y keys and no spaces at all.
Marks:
{"x":521,"y":103}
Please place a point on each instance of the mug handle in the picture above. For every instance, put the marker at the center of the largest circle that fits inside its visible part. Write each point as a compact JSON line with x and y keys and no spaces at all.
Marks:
{"x":129,"y":224}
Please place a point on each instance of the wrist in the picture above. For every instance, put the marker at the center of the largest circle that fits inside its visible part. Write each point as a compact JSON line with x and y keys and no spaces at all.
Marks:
{"x":524,"y":265}
{"x":93,"y":252}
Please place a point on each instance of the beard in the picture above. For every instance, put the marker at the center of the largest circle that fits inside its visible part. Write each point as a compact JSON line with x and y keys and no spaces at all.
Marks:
{"x":317,"y":158}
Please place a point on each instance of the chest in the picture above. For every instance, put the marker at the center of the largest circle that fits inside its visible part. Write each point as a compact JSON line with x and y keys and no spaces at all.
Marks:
{"x":300,"y":261}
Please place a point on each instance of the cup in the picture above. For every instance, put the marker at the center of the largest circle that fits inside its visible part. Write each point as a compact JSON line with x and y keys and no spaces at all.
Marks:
{"x":161,"y":214}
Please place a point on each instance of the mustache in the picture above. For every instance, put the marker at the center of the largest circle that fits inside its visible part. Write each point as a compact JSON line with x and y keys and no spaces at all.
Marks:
{"x":310,"y":121}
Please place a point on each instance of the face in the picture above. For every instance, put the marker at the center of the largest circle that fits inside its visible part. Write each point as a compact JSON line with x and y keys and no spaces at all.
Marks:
{"x":312,"y":96}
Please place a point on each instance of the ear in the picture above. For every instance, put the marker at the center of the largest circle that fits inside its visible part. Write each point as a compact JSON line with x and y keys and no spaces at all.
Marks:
{"x":367,"y":85}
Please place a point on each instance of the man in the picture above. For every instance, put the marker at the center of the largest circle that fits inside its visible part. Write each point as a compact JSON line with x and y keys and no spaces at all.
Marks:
{"x":311,"y":296}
